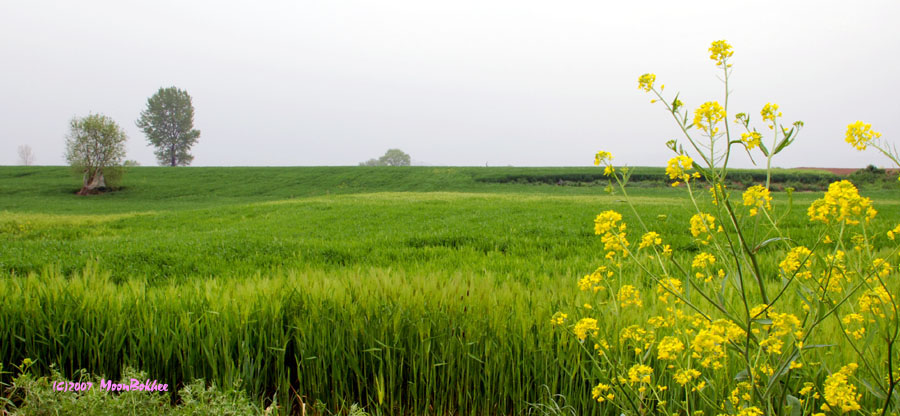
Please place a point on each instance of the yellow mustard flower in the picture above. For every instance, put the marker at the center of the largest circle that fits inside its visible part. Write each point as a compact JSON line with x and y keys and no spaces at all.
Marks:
{"x":686,"y":376}
{"x":602,"y":157}
{"x":645,"y":82}
{"x":757,"y":197}
{"x":859,"y":134}
{"x":666,"y":287}
{"x":607,"y":221}
{"x":839,"y":393}
{"x":677,"y":168}
{"x":628,"y":295}
{"x":720,"y":51}
{"x":703,"y":260}
{"x":558,"y":318}
{"x":792,"y":262}
{"x":639,"y":373}
{"x":707,"y":115}
{"x":637,"y":338}
{"x":599,"y":393}
{"x":751,"y":139}
{"x":584,"y":327}
{"x":854,"y":325}
{"x":769,"y":112}
{"x":650,"y":239}
{"x":669,"y":348}
{"x":877,"y":302}
{"x":702,"y":224}
{"x":841,"y":203}
{"x":594,"y":281}
{"x":709,"y":345}
{"x":895,"y":232}
{"x":750,"y":411}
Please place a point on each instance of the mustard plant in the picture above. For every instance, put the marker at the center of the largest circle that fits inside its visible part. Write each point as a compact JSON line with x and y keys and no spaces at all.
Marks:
{"x":717,"y":330}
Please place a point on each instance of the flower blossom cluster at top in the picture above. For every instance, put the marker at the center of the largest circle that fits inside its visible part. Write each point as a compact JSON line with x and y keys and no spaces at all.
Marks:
{"x":720,"y":51}
{"x":859,"y":134}
{"x":841,"y":203}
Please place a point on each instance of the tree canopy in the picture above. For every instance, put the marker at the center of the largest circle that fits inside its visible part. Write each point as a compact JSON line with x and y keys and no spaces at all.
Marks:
{"x":95,"y":147}
{"x":393,"y":157}
{"x":168,"y":123}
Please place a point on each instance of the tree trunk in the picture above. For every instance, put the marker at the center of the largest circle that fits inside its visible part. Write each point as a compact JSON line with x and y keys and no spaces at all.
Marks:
{"x":93,"y":185}
{"x":173,"y":155}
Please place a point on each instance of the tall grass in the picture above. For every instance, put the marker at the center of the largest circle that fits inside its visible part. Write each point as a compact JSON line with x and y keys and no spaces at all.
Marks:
{"x":438,"y":344}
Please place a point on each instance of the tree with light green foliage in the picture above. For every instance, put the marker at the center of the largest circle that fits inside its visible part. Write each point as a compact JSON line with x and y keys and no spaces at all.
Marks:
{"x":168,"y":122}
{"x":95,"y":147}
{"x":393,"y":157}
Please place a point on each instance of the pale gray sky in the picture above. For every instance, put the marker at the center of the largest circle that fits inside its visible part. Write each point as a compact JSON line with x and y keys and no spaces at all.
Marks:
{"x":525,"y":83}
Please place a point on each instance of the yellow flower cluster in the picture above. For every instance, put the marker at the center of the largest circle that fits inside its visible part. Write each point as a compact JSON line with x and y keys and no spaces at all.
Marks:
{"x":639,"y":373}
{"x":645,"y":82}
{"x":669,"y":287}
{"x":585,"y":327}
{"x":720,"y":51}
{"x":782,"y":324}
{"x":678,"y":167}
{"x":859,"y":134}
{"x":836,"y":274}
{"x":605,"y":158}
{"x":841,"y":203}
{"x":703,"y":261}
{"x":612,"y":234}
{"x":706,"y":117}
{"x":751,"y":411}
{"x":558,"y":318}
{"x":669,"y":348}
{"x":637,"y":338}
{"x":709,"y":345}
{"x":650,"y":239}
{"x":792,"y":262}
{"x":877,"y":302}
{"x":769,"y":112}
{"x":607,"y":221}
{"x":686,"y":376}
{"x":751,"y":139}
{"x":614,"y":243}
{"x":702,"y":225}
{"x":895,"y":231}
{"x":839,"y":392}
{"x":599,"y":393}
{"x":628,"y":295}
{"x":854,"y":325}
{"x":757,"y":197}
{"x":594,"y":281}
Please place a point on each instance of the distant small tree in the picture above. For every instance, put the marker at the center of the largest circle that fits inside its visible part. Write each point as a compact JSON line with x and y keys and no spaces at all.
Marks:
{"x":393,"y":157}
{"x":370,"y":162}
{"x":168,"y":122}
{"x":26,"y":156}
{"x":95,"y":147}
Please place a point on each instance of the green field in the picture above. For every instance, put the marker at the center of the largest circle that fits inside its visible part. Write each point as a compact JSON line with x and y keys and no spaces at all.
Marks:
{"x":408,"y":290}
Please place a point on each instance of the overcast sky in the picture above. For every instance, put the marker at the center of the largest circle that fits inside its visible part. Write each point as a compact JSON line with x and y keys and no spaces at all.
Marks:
{"x":524,"y":83}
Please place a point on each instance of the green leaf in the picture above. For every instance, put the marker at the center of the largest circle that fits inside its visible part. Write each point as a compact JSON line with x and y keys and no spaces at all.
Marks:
{"x":764,"y":149}
{"x":794,"y":406}
{"x":767,"y":242}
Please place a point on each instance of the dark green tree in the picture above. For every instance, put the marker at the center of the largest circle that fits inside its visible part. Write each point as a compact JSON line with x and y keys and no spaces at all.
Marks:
{"x":168,"y":122}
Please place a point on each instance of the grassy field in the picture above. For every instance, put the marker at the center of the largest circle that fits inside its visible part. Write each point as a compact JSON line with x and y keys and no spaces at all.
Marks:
{"x":407,"y":290}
